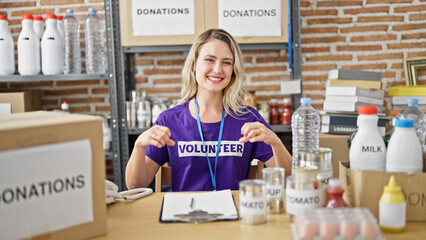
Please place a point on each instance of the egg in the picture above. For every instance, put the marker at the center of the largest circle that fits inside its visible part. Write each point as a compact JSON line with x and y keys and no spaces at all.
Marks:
{"x":368,"y":230}
{"x":308,"y":230}
{"x":329,"y":229}
{"x":348,"y":229}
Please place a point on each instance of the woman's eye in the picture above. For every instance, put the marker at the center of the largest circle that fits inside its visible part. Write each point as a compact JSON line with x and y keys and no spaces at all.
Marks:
{"x":227,"y":63}
{"x":209,"y":60}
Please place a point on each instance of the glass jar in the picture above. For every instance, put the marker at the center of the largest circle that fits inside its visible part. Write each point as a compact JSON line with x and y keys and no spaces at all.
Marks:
{"x":287,"y":112}
{"x":250,"y":99}
{"x":264,"y":111}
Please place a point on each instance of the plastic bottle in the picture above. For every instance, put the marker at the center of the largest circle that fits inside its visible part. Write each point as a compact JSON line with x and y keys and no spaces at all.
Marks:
{"x":95,"y":48}
{"x":305,"y":126}
{"x":412,"y":111}
{"x":335,"y":192}
{"x":287,"y":112}
{"x":392,"y":208}
{"x":72,"y":54}
{"x":28,"y":48}
{"x":404,"y":153}
{"x":65,"y":106}
{"x":52,"y":48}
{"x":60,"y":26}
{"x":39,"y":30}
{"x":368,"y":150}
{"x":274,"y":114}
{"x":7,"y":55}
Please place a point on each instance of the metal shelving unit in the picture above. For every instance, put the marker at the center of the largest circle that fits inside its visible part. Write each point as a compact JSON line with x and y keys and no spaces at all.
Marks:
{"x":115,"y":153}
{"x":126,"y":72}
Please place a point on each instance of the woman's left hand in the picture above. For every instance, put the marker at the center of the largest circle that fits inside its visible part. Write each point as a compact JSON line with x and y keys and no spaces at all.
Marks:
{"x":257,"y":132}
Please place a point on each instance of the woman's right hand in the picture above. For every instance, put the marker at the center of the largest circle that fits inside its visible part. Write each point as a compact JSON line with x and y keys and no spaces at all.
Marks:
{"x":157,"y":135}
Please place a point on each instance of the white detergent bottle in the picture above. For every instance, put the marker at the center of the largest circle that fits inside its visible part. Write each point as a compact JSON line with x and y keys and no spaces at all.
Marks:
{"x":7,"y":55}
{"x":52,"y":48}
{"x":28,"y":48}
{"x":404,"y":153}
{"x":368,"y":150}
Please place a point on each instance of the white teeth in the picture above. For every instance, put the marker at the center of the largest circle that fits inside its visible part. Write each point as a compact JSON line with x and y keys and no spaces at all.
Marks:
{"x":215,"y":79}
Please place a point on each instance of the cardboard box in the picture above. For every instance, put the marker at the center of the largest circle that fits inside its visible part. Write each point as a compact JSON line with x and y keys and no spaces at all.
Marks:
{"x":25,"y":101}
{"x":62,"y":136}
{"x":339,"y":145}
{"x":364,"y":189}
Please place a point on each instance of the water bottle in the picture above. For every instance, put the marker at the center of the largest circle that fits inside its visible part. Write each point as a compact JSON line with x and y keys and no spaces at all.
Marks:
{"x":72,"y":54}
{"x":368,"y":150}
{"x":28,"y":48}
{"x":60,"y":26}
{"x":52,"y":48}
{"x":305,"y":126}
{"x":412,"y":111}
{"x":7,"y":55}
{"x":404,"y":153}
{"x":95,"y":50}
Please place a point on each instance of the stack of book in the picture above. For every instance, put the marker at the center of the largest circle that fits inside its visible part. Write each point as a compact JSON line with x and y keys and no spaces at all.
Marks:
{"x":400,"y":94}
{"x":345,"y":92}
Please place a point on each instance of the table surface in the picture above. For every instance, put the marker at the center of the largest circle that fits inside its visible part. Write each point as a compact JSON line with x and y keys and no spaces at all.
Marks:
{"x":139,"y":219}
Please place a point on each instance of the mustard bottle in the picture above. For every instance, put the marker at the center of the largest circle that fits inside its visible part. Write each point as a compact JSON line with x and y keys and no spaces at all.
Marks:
{"x":392,"y":208}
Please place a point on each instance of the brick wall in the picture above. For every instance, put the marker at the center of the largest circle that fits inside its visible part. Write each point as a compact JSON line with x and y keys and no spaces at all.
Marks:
{"x":356,"y":34}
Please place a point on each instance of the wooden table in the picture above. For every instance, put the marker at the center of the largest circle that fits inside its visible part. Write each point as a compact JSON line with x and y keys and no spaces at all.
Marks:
{"x":139,"y":220}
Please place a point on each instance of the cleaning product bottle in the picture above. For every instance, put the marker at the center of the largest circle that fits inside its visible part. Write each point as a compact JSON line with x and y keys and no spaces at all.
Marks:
{"x":392,"y":208}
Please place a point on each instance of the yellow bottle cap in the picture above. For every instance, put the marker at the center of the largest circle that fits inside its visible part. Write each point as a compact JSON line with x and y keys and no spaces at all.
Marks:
{"x":392,"y":193}
{"x":392,"y":186}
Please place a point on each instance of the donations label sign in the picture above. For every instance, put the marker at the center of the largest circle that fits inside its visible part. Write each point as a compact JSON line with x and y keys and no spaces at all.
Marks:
{"x":45,"y":189}
{"x":163,"y":17}
{"x":248,"y":18}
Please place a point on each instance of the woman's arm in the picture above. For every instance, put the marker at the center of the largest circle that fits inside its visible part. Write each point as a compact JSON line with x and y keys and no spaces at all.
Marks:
{"x":257,"y":132}
{"x":140,"y":169}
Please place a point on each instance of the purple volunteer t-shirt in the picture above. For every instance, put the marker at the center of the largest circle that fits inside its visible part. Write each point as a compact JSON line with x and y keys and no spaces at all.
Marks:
{"x":188,"y":161}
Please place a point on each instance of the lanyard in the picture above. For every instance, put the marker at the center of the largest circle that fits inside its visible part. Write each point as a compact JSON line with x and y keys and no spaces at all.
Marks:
{"x":204,"y":145}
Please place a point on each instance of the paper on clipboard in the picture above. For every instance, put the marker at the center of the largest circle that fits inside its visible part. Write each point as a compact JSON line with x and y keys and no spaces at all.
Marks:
{"x":218,"y":202}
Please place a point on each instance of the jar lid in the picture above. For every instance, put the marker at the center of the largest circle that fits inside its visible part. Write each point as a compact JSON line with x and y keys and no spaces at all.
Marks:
{"x":367,"y":110}
{"x":59,"y":18}
{"x":38,"y":18}
{"x":3,"y":17}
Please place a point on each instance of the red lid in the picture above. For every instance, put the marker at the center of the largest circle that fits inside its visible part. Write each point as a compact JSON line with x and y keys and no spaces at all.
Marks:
{"x":59,"y":18}
{"x":3,"y":17}
{"x":51,"y":16}
{"x":38,"y":18}
{"x":367,"y":110}
{"x":27,"y":16}
{"x":64,"y":102}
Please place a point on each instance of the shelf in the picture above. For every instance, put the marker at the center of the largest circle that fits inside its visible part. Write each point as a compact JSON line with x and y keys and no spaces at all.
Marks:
{"x":275,"y":128}
{"x":185,"y":48}
{"x":109,"y":156}
{"x":61,"y":77}
{"x":281,"y":128}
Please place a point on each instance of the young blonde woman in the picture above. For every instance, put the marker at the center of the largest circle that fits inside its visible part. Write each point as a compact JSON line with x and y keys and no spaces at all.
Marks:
{"x":211,"y":116}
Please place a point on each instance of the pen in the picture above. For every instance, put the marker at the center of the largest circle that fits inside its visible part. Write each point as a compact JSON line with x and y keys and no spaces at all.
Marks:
{"x":191,"y":205}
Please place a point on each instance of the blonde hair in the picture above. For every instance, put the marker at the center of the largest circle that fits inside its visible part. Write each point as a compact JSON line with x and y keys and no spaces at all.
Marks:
{"x":233,"y":94}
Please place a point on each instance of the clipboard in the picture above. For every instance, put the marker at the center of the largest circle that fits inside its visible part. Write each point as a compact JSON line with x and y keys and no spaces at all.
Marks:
{"x":198,"y":207}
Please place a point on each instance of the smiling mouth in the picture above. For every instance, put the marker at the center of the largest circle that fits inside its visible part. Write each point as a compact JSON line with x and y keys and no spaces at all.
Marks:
{"x":214,"y":79}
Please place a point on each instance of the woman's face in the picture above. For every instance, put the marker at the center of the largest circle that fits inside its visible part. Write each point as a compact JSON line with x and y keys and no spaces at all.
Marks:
{"x":214,"y":66}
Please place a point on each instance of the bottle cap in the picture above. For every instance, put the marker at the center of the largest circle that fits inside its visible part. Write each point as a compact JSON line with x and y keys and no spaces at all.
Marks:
{"x":38,"y":18}
{"x":305,"y":101}
{"x":412,"y":101}
{"x":3,"y":17}
{"x":392,"y":186}
{"x":70,"y":11}
{"x":59,"y":18}
{"x":51,"y":16}
{"x":334,"y":182}
{"x":273,"y":100}
{"x":367,"y":110}
{"x":92,"y":10}
{"x":286,"y":101}
{"x":404,"y":123}
{"x":27,"y":16}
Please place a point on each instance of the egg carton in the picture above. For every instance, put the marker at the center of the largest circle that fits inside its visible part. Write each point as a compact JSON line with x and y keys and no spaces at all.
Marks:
{"x":336,"y":224}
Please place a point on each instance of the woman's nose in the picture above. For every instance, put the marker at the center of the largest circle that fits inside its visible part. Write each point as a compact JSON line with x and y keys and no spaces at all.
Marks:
{"x":217,"y":68}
